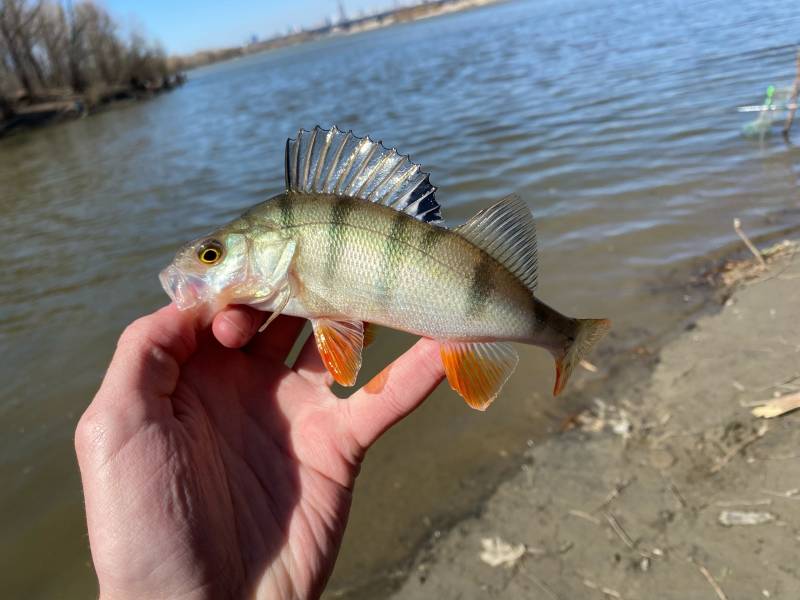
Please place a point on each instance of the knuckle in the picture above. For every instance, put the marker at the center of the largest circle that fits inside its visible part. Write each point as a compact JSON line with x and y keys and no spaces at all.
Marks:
{"x":134,"y":334}
{"x":89,"y":433}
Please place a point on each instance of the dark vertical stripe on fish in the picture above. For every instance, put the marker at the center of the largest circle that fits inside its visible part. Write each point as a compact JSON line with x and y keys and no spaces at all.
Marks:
{"x":337,"y":226}
{"x":481,"y":286}
{"x":431,"y":238}
{"x":393,"y":251}
{"x":287,"y":211}
{"x":539,"y":321}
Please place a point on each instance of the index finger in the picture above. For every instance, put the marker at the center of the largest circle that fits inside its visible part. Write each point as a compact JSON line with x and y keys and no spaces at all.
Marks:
{"x":393,"y":393}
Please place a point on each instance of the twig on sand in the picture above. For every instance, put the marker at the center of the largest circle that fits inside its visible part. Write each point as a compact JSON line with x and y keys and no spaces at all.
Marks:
{"x":584,"y":515}
{"x":792,"y":493}
{"x":615,"y":492}
{"x":623,"y":535}
{"x":605,"y":590}
{"x":777,"y":406}
{"x":710,"y":578}
{"x":677,"y":493}
{"x":733,"y":503}
{"x":737,"y":227}
{"x":722,"y":462}
{"x":791,"y":456}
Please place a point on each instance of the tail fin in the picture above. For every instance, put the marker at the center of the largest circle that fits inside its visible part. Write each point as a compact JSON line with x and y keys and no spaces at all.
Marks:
{"x":589,"y":332}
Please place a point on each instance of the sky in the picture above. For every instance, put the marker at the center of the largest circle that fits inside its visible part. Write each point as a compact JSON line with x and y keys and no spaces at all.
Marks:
{"x":184,"y":26}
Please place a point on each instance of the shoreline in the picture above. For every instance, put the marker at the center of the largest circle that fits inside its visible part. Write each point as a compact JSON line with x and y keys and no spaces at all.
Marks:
{"x":53,"y":107}
{"x":625,"y":500}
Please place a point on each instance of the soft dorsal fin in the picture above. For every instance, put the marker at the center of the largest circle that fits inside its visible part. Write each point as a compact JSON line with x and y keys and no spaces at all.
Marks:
{"x":324,"y":161}
{"x":506,"y":231}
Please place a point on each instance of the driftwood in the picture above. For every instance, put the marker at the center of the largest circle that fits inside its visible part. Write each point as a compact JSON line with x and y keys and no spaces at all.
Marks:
{"x":792,"y":100}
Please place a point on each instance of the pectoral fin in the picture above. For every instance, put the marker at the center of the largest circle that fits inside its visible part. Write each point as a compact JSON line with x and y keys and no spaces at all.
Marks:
{"x":340,"y":344}
{"x":283,"y":299}
{"x":477,"y":371}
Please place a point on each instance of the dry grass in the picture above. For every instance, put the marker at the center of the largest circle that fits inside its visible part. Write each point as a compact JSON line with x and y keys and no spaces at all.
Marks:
{"x":735,"y":271}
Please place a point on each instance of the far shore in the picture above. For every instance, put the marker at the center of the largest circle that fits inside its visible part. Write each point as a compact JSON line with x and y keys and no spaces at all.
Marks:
{"x":407,"y":14}
{"x":52,"y":106}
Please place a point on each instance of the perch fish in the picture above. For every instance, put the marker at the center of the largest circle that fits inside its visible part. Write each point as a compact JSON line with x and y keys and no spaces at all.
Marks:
{"x":357,"y":238}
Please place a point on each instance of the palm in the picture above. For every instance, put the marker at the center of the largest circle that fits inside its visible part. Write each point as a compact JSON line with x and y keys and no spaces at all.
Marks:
{"x":283,"y":488}
{"x":238,"y":474}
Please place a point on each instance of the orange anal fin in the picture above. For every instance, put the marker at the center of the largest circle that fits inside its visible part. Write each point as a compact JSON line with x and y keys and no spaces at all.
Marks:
{"x":478,"y":370}
{"x":340,"y":344}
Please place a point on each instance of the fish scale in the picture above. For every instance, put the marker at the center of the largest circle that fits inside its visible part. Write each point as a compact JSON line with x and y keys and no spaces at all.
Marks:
{"x":357,"y":238}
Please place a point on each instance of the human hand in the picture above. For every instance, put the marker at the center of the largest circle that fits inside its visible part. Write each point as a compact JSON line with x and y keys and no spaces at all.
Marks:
{"x":212,"y":470}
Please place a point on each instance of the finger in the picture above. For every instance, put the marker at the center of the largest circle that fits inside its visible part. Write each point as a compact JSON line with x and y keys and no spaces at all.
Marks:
{"x":146,"y":363}
{"x":235,"y":325}
{"x":276,"y":341}
{"x":394,"y":393}
{"x":309,"y":365}
{"x":143,"y":372}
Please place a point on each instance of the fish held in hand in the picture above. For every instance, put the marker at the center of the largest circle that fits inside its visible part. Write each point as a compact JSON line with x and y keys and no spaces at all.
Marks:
{"x":357,"y":238}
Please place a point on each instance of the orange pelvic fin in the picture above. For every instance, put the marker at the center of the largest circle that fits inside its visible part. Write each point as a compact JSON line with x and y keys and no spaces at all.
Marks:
{"x":477,"y":371}
{"x":340,"y":344}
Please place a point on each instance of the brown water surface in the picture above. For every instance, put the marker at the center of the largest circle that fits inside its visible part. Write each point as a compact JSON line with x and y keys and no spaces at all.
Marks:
{"x":616,"y":124}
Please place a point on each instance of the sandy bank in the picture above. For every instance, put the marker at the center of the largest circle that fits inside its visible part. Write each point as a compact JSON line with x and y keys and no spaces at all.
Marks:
{"x":650,"y":495}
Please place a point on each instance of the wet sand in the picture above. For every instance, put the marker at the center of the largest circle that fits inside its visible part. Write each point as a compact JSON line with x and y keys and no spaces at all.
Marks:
{"x":645,"y":496}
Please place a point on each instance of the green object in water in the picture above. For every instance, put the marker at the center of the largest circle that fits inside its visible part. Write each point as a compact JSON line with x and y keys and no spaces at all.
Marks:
{"x":760,"y":126}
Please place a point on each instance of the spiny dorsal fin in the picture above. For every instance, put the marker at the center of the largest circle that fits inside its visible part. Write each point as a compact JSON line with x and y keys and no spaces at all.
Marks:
{"x":324,"y":161}
{"x":506,"y":231}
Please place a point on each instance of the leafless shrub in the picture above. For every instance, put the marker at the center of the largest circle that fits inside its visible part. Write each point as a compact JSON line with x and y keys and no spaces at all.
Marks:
{"x":49,"y":49}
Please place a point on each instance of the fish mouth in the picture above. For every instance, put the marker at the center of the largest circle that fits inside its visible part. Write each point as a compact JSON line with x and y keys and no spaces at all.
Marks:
{"x":185,"y":291}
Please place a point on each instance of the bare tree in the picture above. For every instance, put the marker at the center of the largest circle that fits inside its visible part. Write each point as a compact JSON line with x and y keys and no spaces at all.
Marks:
{"x":48,"y":46}
{"x":102,"y":42}
{"x":17,"y":33}
{"x":53,"y":33}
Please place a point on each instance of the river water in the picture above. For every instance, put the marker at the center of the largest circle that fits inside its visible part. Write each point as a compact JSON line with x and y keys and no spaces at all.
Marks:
{"x":616,"y":123}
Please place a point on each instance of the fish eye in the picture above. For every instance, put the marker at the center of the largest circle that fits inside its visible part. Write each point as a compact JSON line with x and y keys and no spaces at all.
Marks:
{"x":210,"y":252}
